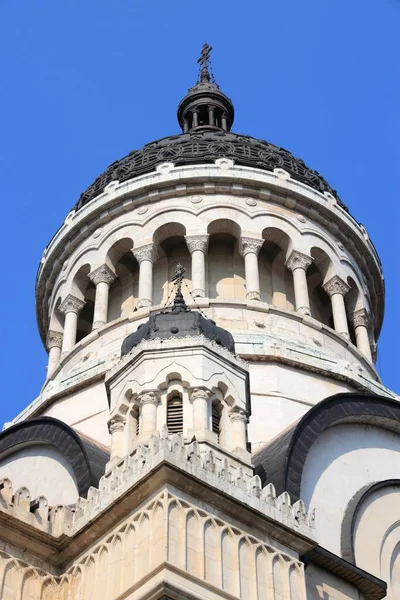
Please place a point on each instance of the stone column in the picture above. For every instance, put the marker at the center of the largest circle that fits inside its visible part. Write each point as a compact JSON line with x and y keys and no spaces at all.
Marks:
{"x":102,"y":278}
{"x":336,"y":288}
{"x":224,"y":122}
{"x":360,"y":321}
{"x":146,"y":256}
{"x":200,"y":400}
{"x":211,"y":114}
{"x":298,"y":263}
{"x":195,"y":114}
{"x":116,"y":428}
{"x":239,"y":421}
{"x":249,"y":249}
{"x":70,"y":307}
{"x":197,"y":245}
{"x":148,"y":412}
{"x":54,"y":345}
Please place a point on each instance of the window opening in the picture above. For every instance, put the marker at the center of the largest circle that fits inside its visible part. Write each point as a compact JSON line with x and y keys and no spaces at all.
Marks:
{"x":175,"y":415}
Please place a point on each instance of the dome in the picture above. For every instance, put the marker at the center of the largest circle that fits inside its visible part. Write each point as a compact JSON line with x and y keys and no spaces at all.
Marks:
{"x":178,"y":322}
{"x":202,"y":146}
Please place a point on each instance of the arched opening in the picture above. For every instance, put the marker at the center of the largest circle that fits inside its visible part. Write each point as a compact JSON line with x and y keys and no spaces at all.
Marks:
{"x":123,"y":291}
{"x":171,"y":249}
{"x":317,"y":273}
{"x":226,"y":273}
{"x":175,"y":413}
{"x":276,"y":280}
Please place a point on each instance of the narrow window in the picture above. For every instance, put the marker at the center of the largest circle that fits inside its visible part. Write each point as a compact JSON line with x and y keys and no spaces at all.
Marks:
{"x":216,"y":418}
{"x":175,"y":415}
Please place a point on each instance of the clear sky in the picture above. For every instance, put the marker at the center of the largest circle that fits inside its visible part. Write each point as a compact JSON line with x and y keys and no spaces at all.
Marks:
{"x":83,"y":82}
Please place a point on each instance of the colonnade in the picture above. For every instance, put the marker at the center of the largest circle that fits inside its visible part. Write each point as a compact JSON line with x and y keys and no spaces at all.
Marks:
{"x":249,"y":248}
{"x":148,"y":402}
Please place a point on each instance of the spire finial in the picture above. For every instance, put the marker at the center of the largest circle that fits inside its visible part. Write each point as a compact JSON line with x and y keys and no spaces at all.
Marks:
{"x":205,"y":62}
{"x":179,"y":302}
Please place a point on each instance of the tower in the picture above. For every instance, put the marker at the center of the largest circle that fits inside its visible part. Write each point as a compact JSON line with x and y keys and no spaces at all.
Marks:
{"x":211,"y":311}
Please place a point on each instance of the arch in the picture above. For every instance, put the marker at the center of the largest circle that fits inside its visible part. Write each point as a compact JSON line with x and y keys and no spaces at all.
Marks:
{"x":225,"y":266}
{"x":86,"y":462}
{"x":290,"y":450}
{"x":123,"y":292}
{"x":171,"y":249}
{"x":194,"y":543}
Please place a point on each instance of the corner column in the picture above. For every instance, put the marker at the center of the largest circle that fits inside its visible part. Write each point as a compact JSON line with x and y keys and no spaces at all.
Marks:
{"x":336,"y":288}
{"x":360,"y":319}
{"x":116,"y":428}
{"x":298,"y":263}
{"x":70,"y":307}
{"x":146,"y":256}
{"x":148,"y":412}
{"x":239,"y":421}
{"x":249,"y":249}
{"x":102,"y":278}
{"x":197,"y":245}
{"x":54,"y":345}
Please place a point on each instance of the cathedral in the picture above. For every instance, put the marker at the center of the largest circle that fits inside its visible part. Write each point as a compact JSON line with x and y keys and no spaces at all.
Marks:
{"x":212,"y":424}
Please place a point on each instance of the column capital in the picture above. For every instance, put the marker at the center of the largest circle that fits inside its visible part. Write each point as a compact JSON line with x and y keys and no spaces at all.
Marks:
{"x":200,"y":393}
{"x":336,"y":285}
{"x":148,"y":398}
{"x":298,"y":260}
{"x":147,"y":252}
{"x":197,"y":242}
{"x":249,"y":245}
{"x":54,"y":339}
{"x":117,"y":423}
{"x":71,"y":304}
{"x":360,"y":318}
{"x":102,"y":274}
{"x":238,"y":414}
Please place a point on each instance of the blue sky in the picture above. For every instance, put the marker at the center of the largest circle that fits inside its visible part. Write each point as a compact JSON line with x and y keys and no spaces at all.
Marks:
{"x":83,"y":82}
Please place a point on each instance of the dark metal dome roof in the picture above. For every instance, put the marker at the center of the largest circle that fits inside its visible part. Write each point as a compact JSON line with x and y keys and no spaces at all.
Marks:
{"x":199,"y":147}
{"x":178,"y":322}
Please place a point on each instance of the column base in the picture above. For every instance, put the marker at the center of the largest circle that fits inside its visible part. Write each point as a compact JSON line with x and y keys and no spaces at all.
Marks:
{"x":304,"y":310}
{"x":253,"y":296}
{"x":143,"y":303}
{"x":346,"y":336}
{"x":98,"y":324}
{"x":198,"y":293}
{"x":202,"y":435}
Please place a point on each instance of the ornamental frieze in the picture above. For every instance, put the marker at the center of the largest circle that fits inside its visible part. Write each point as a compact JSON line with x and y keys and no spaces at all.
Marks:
{"x":205,"y":147}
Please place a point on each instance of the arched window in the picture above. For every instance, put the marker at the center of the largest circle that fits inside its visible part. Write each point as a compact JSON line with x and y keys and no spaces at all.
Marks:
{"x":175,"y":414}
{"x":216,"y":418}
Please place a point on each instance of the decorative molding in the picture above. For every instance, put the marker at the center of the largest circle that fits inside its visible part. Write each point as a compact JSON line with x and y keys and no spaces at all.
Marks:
{"x":148,"y":398}
{"x":102,"y":274}
{"x":253,"y":296}
{"x":147,"y":252}
{"x":238,"y":414}
{"x":197,"y":242}
{"x":54,"y":339}
{"x":360,"y":318}
{"x":248,"y":245}
{"x":336,"y":285}
{"x":144,"y":303}
{"x":199,"y":393}
{"x":198,"y":293}
{"x":298,"y":260}
{"x":117,"y":423}
{"x":71,"y":304}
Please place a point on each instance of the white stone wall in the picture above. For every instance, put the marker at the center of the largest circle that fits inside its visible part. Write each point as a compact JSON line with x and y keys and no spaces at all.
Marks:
{"x":42,"y":469}
{"x":341,"y":462}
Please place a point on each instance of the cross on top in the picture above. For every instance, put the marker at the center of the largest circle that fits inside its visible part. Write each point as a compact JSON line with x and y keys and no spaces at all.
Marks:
{"x":178,"y":276}
{"x":205,"y":56}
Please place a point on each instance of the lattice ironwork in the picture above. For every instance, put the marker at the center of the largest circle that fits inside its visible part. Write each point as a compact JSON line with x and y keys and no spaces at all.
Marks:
{"x":205,"y":147}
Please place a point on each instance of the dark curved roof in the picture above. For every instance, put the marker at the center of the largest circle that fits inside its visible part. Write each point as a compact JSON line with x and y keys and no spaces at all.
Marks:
{"x":86,"y":457}
{"x":282,"y":460}
{"x":199,"y":147}
{"x":178,"y":322}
